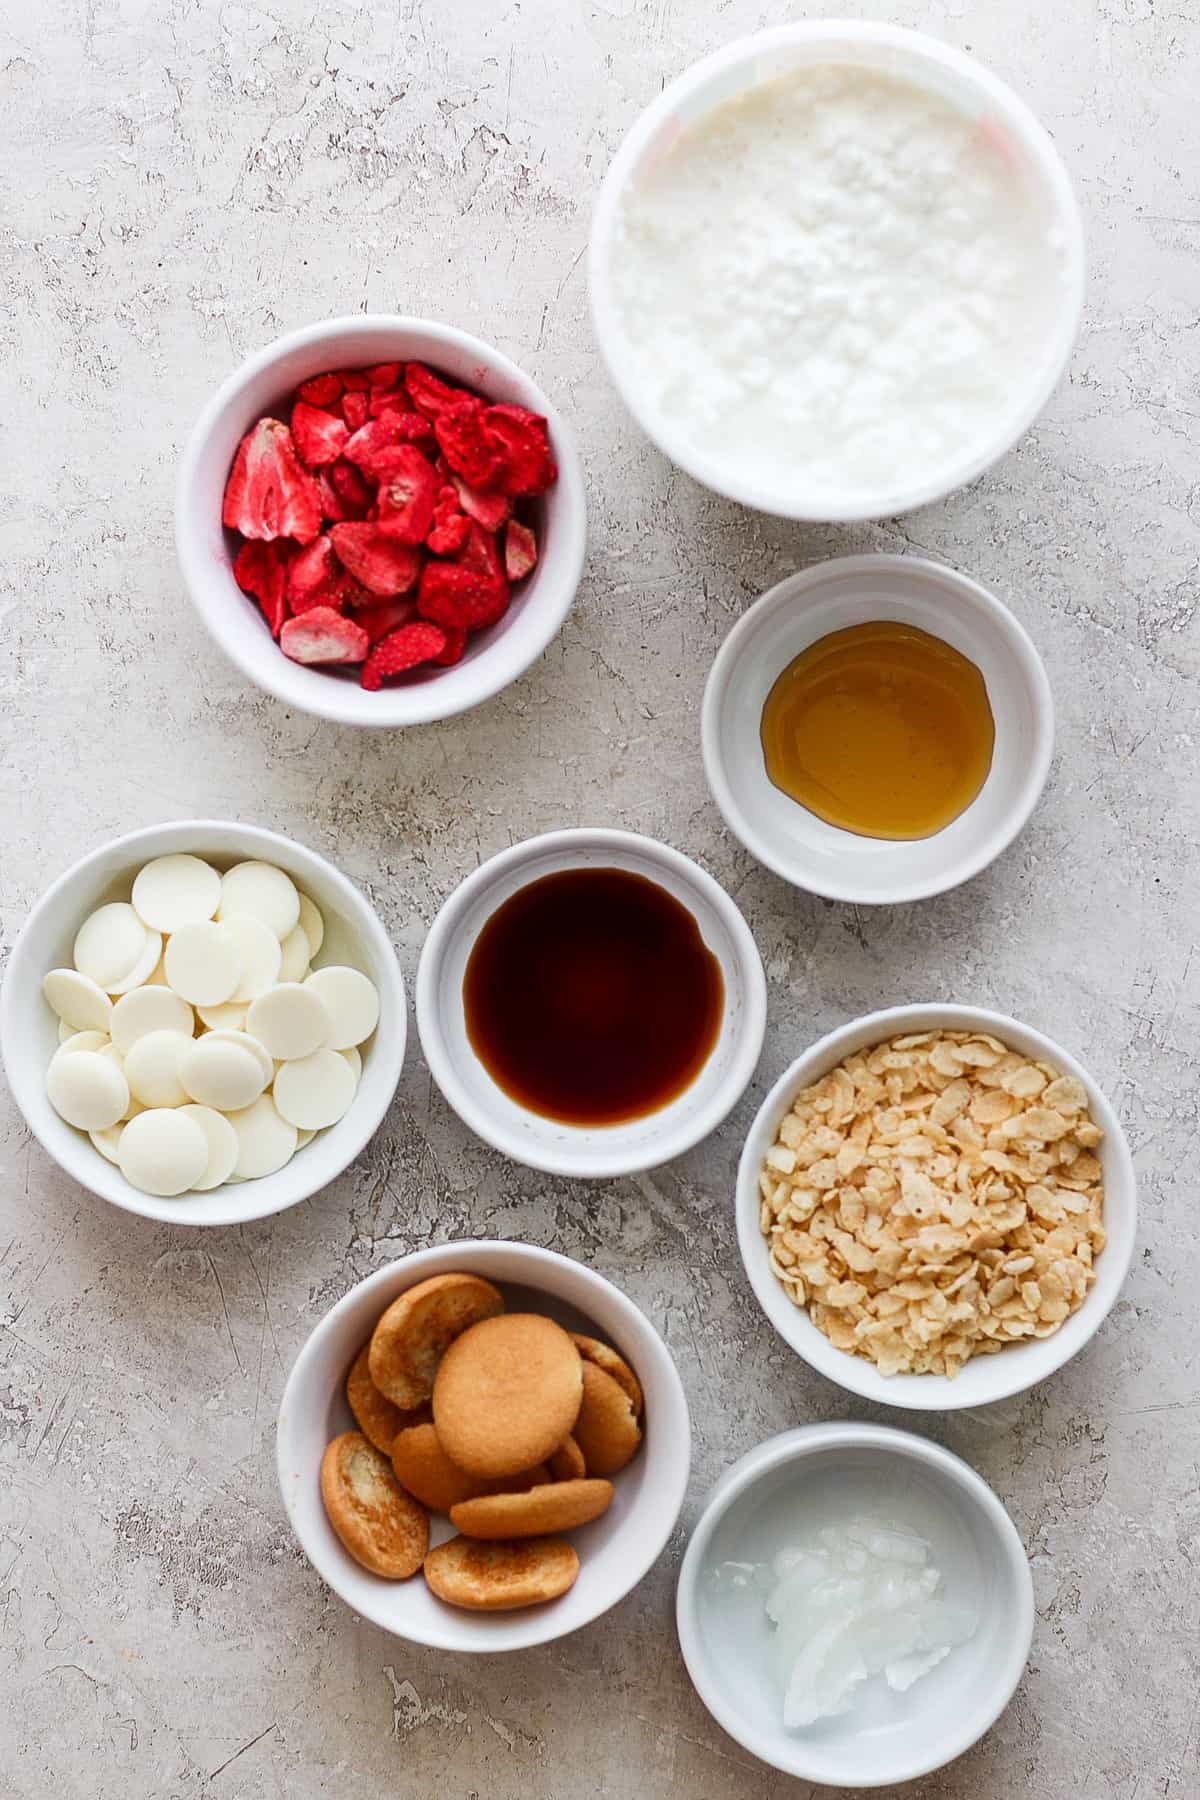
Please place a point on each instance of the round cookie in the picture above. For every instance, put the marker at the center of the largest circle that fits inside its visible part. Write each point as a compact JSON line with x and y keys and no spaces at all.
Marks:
{"x":501,"y":1576}
{"x":506,"y":1393}
{"x":559,"y":1506}
{"x":379,"y":1525}
{"x":377,"y":1418}
{"x":608,"y":1359}
{"x":412,"y":1336}
{"x":567,"y":1463}
{"x":606,"y":1430}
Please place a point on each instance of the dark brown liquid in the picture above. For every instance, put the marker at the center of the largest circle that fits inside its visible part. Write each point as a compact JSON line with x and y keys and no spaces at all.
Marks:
{"x":591,"y":997}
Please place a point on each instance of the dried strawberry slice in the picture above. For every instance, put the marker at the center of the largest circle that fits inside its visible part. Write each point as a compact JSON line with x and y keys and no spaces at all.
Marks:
{"x":355,"y":408}
{"x":430,"y":394}
{"x":528,"y":467}
{"x":382,"y":565}
{"x":352,"y":489}
{"x":319,"y":436}
{"x":377,"y":621}
{"x":382,"y":434}
{"x":332,"y":510}
{"x":323,"y":636}
{"x":402,"y":650}
{"x":407,"y":491}
{"x":479,"y":552}
{"x":322,"y":390}
{"x":413,"y":427}
{"x":317,"y":578}
{"x":453,"y":595}
{"x":456,"y":643}
{"x":488,"y":615}
{"x":520,"y":550}
{"x":354,"y":380}
{"x":467,"y":444}
{"x":490,"y":507}
{"x":450,"y":527}
{"x":261,"y":569}
{"x":269,"y":494}
{"x":384,"y":375}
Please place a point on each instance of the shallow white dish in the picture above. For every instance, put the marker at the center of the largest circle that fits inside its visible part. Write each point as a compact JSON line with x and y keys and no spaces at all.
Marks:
{"x":614,"y":1552}
{"x":493,"y":658}
{"x":752,"y":61}
{"x":831,"y":596}
{"x":29,"y":1030}
{"x":819,"y":1474}
{"x":547,"y":1143}
{"x":984,"y":1378}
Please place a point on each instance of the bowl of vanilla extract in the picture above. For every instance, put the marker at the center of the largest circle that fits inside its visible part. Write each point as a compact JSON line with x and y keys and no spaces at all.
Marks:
{"x":877,"y":729}
{"x":591,"y":1002}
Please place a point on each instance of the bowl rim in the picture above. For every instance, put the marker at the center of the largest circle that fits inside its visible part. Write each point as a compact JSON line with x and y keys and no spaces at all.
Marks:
{"x":595,"y":1163}
{"x":963,"y":590}
{"x":795,"y":1445}
{"x":396,"y":707}
{"x":479,"y":1256}
{"x":177,"y":835}
{"x":1010,"y":1373}
{"x":1061,"y":339}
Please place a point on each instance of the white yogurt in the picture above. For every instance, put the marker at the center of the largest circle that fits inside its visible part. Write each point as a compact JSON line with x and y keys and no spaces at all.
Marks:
{"x":836,"y":281}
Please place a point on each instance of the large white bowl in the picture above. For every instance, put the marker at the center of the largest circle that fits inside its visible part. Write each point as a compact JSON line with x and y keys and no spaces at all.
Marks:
{"x":752,"y":61}
{"x":354,"y":934}
{"x":615,"y":1551}
{"x":857,"y":590}
{"x":820,"y":1474}
{"x":549,"y":1144}
{"x":984,"y":1378}
{"x":493,"y":658}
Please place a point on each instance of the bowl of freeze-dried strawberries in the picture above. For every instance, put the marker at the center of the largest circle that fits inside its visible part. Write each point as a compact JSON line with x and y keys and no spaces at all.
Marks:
{"x":381,"y":520}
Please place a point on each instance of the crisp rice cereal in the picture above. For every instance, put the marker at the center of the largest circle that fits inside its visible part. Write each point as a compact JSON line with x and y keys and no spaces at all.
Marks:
{"x":935,"y":1198}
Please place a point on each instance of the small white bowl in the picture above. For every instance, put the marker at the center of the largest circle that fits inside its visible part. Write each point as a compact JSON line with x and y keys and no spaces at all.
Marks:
{"x":548,"y":1144}
{"x":984,"y":1378}
{"x":814,"y":1476}
{"x":493,"y":658}
{"x":831,"y":596}
{"x":614,"y":1552}
{"x":752,"y":61}
{"x":29,"y":1029}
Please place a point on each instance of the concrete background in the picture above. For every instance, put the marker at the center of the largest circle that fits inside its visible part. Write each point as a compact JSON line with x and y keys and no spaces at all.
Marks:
{"x":186,"y":180}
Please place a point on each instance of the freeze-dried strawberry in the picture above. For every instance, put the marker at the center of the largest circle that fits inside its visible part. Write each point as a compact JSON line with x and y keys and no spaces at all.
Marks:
{"x":479,"y":552}
{"x":382,"y":434}
{"x":415,"y":428}
{"x":430,"y":394}
{"x":468,"y":445}
{"x":450,"y":527}
{"x":355,"y":408}
{"x":317,"y":578}
{"x":407,"y":490}
{"x":495,"y":610}
{"x":456,"y":643}
{"x":354,"y":380}
{"x":490,"y":507}
{"x":352,"y":489}
{"x":332,"y":510}
{"x":520,"y":550}
{"x":261,"y":569}
{"x":269,"y":494}
{"x":387,"y":615}
{"x":323,"y":636}
{"x":452,"y":594}
{"x":402,"y":650}
{"x":528,"y":465}
{"x":322,"y":390}
{"x":319,"y":436}
{"x":384,"y":375}
{"x":382,"y":565}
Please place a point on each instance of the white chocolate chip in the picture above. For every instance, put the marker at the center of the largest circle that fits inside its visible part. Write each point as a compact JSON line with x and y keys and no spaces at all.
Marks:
{"x":265,"y":1141}
{"x":312,"y":924}
{"x":222,"y":1146}
{"x":82,"y":1040}
{"x":77,"y":1000}
{"x":147,"y":1009}
{"x":203,"y":963}
{"x":143,"y":968}
{"x":86,"y":1089}
{"x":152,"y":1068}
{"x":290,"y":1021}
{"x":109,"y":943}
{"x":244,"y":1041}
{"x":108,"y":1140}
{"x":351,"y":1001}
{"x":316,"y":1090}
{"x":354,"y":1057}
{"x":261,"y":953}
{"x":295,"y":957}
{"x":220,"y":1074}
{"x":162,"y":1152}
{"x":263,"y":892}
{"x":173,"y":891}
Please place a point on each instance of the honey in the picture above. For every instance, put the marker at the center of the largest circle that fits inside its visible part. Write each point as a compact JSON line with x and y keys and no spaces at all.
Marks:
{"x":591,"y":997}
{"x":880,"y":729}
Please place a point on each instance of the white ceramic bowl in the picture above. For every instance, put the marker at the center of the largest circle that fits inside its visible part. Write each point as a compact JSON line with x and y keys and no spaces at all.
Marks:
{"x":493,"y":658}
{"x":614,"y":1552}
{"x":29,"y":1030}
{"x":831,"y":596}
{"x":546,"y":1143}
{"x":814,"y":1476}
{"x":984,"y":1378}
{"x":751,"y":61}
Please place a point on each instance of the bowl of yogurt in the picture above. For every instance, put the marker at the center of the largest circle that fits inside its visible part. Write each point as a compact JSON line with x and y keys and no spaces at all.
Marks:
{"x":836,"y":270}
{"x":855,"y":1606}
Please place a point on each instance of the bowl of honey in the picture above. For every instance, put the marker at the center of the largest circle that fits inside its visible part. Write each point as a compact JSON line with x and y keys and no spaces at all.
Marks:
{"x":877,"y":729}
{"x":591,"y":1002}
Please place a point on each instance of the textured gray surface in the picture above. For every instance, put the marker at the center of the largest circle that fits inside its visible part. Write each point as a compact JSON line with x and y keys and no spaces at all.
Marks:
{"x":188,"y":179}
